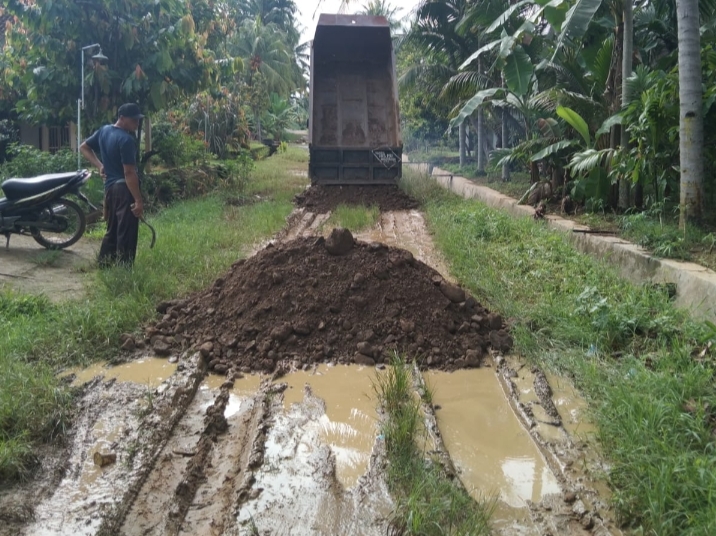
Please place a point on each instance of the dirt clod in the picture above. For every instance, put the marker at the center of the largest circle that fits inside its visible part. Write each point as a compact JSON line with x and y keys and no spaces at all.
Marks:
{"x":206,"y":349}
{"x":322,"y":199}
{"x":569,"y":497}
{"x":453,"y":293}
{"x":161,"y":348}
{"x":340,"y":241}
{"x":347,"y":316}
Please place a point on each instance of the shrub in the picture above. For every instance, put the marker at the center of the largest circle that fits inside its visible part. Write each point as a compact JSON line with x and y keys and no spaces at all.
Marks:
{"x":175,"y":148}
{"x":167,"y":187}
{"x":28,"y":161}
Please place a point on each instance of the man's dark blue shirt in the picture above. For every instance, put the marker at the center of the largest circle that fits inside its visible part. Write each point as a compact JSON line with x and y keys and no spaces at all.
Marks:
{"x":116,"y":148}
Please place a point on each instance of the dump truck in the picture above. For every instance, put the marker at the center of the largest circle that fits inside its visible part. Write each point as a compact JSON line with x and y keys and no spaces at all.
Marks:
{"x":354,"y":125}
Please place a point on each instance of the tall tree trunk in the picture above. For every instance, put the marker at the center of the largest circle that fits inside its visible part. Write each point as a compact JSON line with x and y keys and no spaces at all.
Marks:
{"x":462,"y":144}
{"x":615,"y":104}
{"x":691,"y":126}
{"x":468,"y":140}
{"x":480,"y":140}
{"x":257,"y":115}
{"x":627,"y":53}
{"x":505,"y":167}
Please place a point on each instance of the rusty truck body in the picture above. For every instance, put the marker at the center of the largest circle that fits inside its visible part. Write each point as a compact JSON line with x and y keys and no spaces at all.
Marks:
{"x":354,"y":126}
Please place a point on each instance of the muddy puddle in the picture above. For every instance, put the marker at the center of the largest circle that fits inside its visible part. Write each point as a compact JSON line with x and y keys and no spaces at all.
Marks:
{"x":494,"y":455}
{"x":320,"y":473}
{"x":149,"y":371}
{"x":298,"y":455}
{"x":349,"y":424}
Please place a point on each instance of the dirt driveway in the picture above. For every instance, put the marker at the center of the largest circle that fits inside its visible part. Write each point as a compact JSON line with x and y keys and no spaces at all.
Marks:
{"x":28,"y":267}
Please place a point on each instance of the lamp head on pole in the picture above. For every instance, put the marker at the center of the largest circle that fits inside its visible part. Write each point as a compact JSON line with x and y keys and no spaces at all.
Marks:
{"x":99,"y":57}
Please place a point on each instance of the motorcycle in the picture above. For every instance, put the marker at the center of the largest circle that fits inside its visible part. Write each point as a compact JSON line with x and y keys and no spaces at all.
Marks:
{"x":37,"y":207}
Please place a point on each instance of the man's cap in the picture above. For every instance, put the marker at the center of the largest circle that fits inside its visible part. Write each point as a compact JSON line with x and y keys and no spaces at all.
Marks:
{"x":130,"y":110}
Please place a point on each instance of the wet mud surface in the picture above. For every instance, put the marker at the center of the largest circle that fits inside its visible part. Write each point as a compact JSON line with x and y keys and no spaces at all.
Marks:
{"x":320,"y":199}
{"x":298,"y":451}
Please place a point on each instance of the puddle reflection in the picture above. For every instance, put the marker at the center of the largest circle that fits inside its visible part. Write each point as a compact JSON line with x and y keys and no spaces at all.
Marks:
{"x":485,"y":439}
{"x":350,"y":422}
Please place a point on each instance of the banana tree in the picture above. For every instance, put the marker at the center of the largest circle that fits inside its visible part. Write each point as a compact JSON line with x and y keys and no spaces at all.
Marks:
{"x":435,"y":32}
{"x":516,"y":73}
{"x":591,"y":164}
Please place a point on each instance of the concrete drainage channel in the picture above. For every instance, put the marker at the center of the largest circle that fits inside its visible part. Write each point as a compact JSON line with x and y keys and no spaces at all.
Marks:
{"x":695,"y":284}
{"x":299,"y":451}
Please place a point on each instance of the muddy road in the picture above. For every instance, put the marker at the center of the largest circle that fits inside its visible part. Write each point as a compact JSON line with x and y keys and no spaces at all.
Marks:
{"x":297,"y":449}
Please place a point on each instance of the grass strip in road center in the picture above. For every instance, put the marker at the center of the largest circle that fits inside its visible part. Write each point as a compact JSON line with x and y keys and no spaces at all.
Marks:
{"x":427,"y":501}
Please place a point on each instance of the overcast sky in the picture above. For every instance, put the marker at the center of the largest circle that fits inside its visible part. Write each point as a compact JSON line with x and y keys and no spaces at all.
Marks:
{"x":308,"y":7}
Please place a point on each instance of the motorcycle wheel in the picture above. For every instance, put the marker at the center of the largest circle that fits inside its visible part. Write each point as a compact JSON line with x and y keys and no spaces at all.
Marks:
{"x":67,"y":215}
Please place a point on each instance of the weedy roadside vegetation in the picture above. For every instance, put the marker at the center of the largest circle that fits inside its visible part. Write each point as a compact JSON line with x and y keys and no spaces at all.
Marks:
{"x":646,"y":368}
{"x":427,"y":501}
{"x":197,"y":240}
{"x":655,"y":228}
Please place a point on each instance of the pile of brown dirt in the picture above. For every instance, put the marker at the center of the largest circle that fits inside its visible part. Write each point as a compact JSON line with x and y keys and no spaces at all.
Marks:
{"x":330,"y":300}
{"x":321,"y":198}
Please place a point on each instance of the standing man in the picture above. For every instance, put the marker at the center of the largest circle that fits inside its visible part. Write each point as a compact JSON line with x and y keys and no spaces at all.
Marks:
{"x":117,"y":162}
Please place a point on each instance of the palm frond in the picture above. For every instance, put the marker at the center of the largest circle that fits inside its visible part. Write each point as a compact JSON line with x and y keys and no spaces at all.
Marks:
{"x":589,"y":159}
{"x":553,"y":149}
{"x":464,"y":84}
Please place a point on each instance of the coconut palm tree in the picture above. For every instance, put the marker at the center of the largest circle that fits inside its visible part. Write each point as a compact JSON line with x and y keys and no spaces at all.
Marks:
{"x":691,"y":133}
{"x":436,"y":32}
{"x":383,"y":8}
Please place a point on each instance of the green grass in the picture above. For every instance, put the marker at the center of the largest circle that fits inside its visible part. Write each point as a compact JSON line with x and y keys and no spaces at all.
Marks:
{"x":427,"y":501}
{"x":46,"y":258}
{"x":630,"y":351}
{"x":196,"y":241}
{"x":354,"y":217}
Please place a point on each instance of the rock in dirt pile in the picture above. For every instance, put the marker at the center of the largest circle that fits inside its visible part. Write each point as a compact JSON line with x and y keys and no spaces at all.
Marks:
{"x":325,"y":198}
{"x":330,"y":300}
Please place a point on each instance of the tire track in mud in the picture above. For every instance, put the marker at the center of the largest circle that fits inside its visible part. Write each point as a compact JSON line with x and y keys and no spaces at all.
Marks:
{"x":204,"y":470}
{"x":156,"y":431}
{"x":161,"y":498}
{"x":296,"y":490}
{"x":228,"y":474}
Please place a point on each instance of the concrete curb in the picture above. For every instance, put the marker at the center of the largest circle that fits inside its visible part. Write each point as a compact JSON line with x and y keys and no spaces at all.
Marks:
{"x":695,"y":284}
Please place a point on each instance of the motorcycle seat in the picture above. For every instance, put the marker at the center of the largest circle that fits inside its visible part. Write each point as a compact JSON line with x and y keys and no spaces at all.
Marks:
{"x":17,"y":188}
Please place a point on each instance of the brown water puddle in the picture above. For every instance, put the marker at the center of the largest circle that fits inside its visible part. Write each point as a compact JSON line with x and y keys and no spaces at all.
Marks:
{"x":349,"y":423}
{"x":149,"y":371}
{"x":572,"y":407}
{"x":299,"y":488}
{"x":244,"y":387}
{"x":487,"y":443}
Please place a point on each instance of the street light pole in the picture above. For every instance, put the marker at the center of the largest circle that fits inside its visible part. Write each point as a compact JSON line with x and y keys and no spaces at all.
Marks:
{"x":81,"y":100}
